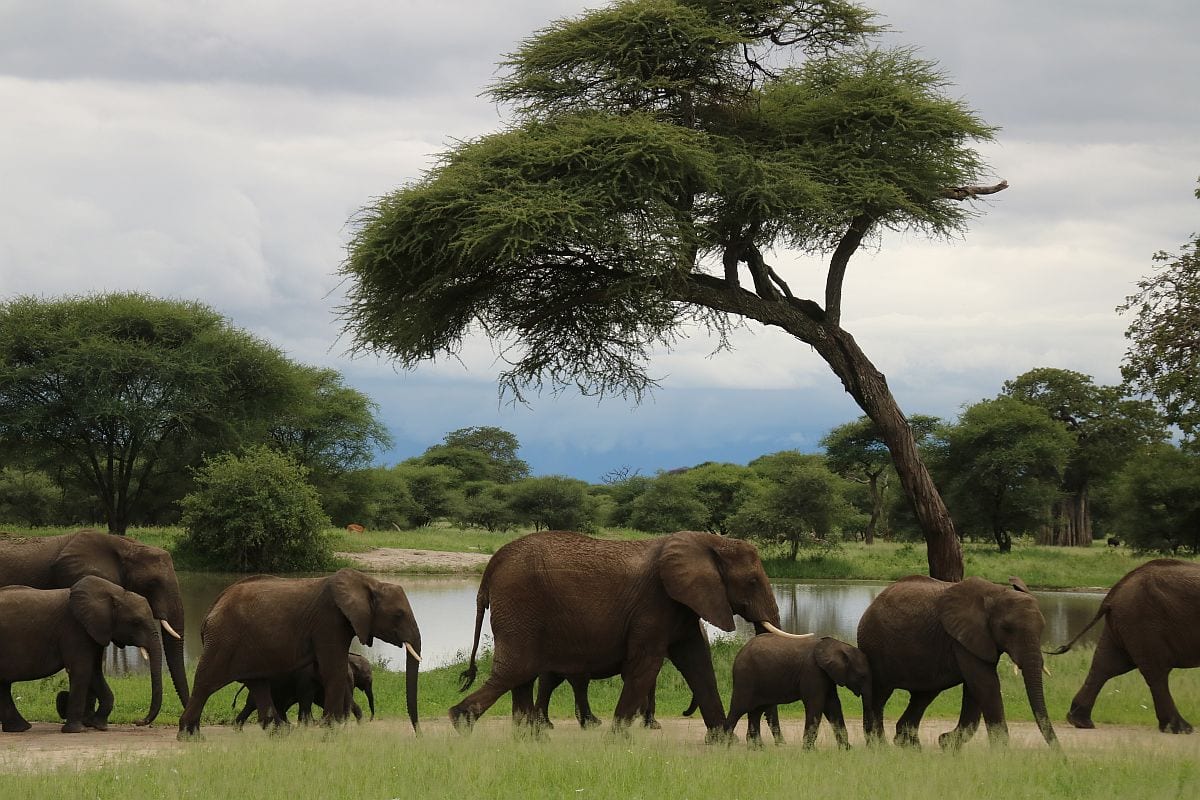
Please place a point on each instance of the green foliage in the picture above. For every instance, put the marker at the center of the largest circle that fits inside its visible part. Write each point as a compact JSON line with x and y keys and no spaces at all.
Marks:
{"x":1002,"y":466}
{"x":1157,"y":500}
{"x":431,"y":489}
{"x":27,"y":495}
{"x":255,"y":513}
{"x":553,"y":502}
{"x":479,"y":454}
{"x":669,"y":504}
{"x":1162,"y":360}
{"x":720,"y":487}
{"x":798,"y":501}
{"x":623,"y":491}
{"x":485,"y":505}
{"x":118,"y":392}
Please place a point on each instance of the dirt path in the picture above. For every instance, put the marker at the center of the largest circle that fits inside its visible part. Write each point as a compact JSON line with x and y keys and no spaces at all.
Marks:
{"x":44,"y":748}
{"x":401,"y":559}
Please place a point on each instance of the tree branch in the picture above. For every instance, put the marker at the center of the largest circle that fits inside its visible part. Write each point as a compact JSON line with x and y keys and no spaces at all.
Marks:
{"x":967,"y":192}
{"x":851,"y":239}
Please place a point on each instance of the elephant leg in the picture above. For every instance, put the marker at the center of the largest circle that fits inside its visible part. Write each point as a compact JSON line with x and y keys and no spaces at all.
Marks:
{"x":648,"y":719}
{"x":1109,"y":661}
{"x":244,"y":715}
{"x":833,"y":713}
{"x":983,"y":684}
{"x":968,"y":723}
{"x":639,"y":675}
{"x":207,"y":681}
{"x":910,"y":721}
{"x":472,"y":707}
{"x":547,"y":682}
{"x":260,"y":695}
{"x":772,"y":714}
{"x":753,"y":727}
{"x":356,"y":710}
{"x":524,"y":715}
{"x":693,"y":659}
{"x":11,"y":720}
{"x":1169,"y":718}
{"x":583,"y":708}
{"x":80,"y":680}
{"x":98,"y":717}
{"x":873,"y":715}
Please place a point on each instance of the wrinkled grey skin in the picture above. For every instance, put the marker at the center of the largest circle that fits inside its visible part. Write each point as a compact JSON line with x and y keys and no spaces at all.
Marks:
{"x":57,"y":562}
{"x":771,"y":670}
{"x":45,"y":630}
{"x":1151,"y":625}
{"x":304,"y":687}
{"x":925,"y":636}
{"x":262,"y":627}
{"x":569,"y":604}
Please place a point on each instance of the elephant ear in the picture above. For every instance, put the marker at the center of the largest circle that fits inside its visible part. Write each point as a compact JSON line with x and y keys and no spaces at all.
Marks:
{"x":87,"y":553}
{"x":1018,"y":584}
{"x":688,"y":569}
{"x":355,"y":598}
{"x":834,"y":660}
{"x":963,"y":611}
{"x":93,"y":602}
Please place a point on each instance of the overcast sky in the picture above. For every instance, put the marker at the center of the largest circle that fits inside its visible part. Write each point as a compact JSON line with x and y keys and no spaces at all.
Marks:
{"x":215,"y":150}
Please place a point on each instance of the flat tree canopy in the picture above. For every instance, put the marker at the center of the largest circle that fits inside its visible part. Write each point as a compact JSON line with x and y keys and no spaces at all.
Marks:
{"x":657,"y":149}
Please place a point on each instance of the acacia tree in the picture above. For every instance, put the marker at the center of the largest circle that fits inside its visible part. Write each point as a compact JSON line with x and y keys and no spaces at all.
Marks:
{"x":1163,"y":360}
{"x":659,"y":151}
{"x":857,"y":451}
{"x":119,"y":391}
{"x":1107,"y":427}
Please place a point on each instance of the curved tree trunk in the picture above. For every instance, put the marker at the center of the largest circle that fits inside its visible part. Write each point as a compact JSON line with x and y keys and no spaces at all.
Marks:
{"x":807,"y":321}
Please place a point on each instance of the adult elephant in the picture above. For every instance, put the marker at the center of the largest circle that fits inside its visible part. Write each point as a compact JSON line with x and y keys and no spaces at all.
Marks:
{"x":566,"y":603}
{"x":262,"y":627}
{"x":45,"y":630}
{"x":57,"y":562}
{"x":925,"y":636}
{"x":1151,"y":625}
{"x":304,"y":688}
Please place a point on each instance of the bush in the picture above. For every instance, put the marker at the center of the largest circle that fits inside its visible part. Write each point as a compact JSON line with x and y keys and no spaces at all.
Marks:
{"x":554,"y":502}
{"x":255,"y":513}
{"x":27,"y":496}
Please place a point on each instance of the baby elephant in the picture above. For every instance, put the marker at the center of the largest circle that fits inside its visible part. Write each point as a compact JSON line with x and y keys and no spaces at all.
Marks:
{"x":772,"y":669}
{"x":304,"y":687}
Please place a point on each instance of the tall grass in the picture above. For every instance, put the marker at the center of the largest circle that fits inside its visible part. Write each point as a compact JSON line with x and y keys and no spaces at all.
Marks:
{"x":367,"y":762}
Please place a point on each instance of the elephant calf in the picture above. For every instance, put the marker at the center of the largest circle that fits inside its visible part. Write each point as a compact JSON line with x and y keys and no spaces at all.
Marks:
{"x":45,"y":630}
{"x":304,"y":687}
{"x":772,"y":669}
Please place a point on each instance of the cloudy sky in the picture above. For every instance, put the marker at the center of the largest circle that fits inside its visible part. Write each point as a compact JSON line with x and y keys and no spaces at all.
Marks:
{"x":215,"y":150}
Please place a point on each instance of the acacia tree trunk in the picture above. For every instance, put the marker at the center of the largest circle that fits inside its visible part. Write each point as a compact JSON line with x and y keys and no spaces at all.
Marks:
{"x":808,"y":322}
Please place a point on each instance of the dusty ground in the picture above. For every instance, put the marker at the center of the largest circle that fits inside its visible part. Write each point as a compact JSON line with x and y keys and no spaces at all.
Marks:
{"x":399,"y":559}
{"x":44,"y":748}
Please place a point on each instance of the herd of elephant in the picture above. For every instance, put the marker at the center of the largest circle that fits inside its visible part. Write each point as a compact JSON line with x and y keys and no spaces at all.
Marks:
{"x":565,"y":606}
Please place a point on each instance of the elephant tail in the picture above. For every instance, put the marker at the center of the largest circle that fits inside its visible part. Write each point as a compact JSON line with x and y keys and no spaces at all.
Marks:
{"x":482,"y":600}
{"x":1103,"y":612}
{"x":235,"y":696}
{"x":687,"y":712}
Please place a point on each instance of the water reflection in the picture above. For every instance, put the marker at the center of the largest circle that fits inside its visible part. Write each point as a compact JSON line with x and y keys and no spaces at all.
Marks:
{"x":445,"y":609}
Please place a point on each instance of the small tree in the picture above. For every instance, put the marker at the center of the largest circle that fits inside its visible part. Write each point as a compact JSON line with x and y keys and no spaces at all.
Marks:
{"x":669,"y":504}
{"x":553,"y":502}
{"x":1002,"y":466}
{"x":1157,"y":500}
{"x":803,"y":502}
{"x":719,"y":487}
{"x":486,"y":505}
{"x":255,"y":513}
{"x":27,"y":496}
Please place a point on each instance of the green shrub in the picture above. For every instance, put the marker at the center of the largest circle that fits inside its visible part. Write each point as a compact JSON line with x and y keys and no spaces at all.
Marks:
{"x":255,"y":513}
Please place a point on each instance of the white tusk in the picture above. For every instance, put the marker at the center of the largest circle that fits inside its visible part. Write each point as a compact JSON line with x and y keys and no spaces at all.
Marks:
{"x":167,"y":627}
{"x":1045,"y":669}
{"x":145,"y":653}
{"x":775,"y":630}
{"x":412,"y":652}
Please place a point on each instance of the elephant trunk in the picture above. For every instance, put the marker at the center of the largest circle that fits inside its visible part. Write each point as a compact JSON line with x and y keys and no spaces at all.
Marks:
{"x":370,"y":693}
{"x":154,"y":648}
{"x":1031,"y":670}
{"x":411,"y":669}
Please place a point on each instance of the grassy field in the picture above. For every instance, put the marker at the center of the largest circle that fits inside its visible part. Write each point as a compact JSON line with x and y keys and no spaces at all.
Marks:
{"x":358,"y":762}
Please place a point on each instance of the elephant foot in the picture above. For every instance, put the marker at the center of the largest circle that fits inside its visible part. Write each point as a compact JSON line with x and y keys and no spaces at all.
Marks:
{"x":462,"y":720}
{"x":753,"y":742}
{"x":72,"y":726}
{"x":189,"y":735}
{"x":720,"y":736}
{"x":950,"y":740}
{"x":907,"y":739}
{"x":1177,"y":725}
{"x":652,"y":724}
{"x":1080,"y":717}
{"x":15,"y":726}
{"x":102,"y":724}
{"x":590,"y":721}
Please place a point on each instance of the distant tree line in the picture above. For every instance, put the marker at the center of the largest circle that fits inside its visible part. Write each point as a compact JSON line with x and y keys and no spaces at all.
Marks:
{"x":125,"y":409}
